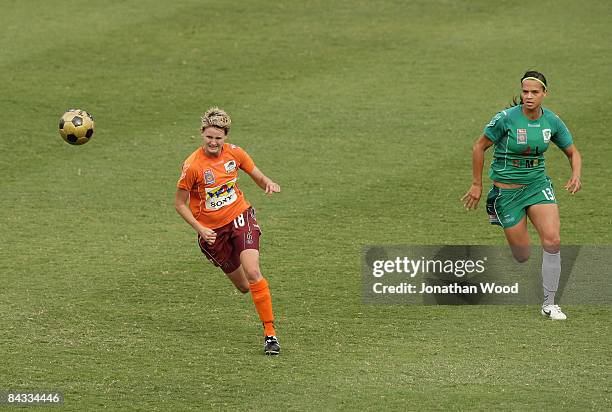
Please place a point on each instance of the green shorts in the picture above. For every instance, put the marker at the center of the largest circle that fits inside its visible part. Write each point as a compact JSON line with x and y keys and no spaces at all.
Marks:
{"x":506,"y":207}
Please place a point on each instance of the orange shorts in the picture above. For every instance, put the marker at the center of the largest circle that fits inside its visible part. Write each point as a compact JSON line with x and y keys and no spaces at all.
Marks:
{"x":240,"y":234}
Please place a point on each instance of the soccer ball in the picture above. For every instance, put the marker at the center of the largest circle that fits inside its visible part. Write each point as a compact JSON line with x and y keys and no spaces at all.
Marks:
{"x":76,"y":126}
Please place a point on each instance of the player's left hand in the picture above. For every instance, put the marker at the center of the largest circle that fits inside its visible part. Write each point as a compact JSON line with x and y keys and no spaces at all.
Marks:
{"x":272,"y":187}
{"x":573,"y":185}
{"x":471,"y":198}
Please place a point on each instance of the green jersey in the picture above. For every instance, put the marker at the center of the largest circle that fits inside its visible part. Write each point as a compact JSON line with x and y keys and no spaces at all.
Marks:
{"x":520,"y":144}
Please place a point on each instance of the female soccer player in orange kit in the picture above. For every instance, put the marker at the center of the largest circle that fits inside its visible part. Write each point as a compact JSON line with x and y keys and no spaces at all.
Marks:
{"x":228,"y":233}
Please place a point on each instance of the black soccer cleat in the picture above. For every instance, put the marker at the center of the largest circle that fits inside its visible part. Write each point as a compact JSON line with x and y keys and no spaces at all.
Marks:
{"x":271,"y":345}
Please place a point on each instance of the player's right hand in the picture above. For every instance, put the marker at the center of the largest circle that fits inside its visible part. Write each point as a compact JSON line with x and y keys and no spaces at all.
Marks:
{"x":471,"y":198}
{"x":272,"y":187}
{"x":208,"y":235}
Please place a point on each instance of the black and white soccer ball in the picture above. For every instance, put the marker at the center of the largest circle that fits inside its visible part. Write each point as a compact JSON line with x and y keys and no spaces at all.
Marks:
{"x":76,"y":126}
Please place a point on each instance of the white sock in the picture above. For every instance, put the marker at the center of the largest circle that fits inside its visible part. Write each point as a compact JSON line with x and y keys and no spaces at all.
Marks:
{"x":551,"y":271}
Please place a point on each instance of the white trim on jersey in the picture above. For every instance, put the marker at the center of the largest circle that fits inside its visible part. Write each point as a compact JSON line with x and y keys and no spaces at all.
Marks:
{"x":505,"y":154}
{"x":495,"y":209}
{"x":505,"y":157}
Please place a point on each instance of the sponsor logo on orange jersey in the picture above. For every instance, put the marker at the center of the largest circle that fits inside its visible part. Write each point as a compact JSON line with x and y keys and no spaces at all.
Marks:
{"x":220,"y":196}
{"x":230,"y":166}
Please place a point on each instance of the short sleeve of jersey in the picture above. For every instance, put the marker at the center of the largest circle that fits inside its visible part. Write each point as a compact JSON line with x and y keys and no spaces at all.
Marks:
{"x":188,"y":177}
{"x":561,"y":135}
{"x":244,"y":160}
{"x":495,"y":130}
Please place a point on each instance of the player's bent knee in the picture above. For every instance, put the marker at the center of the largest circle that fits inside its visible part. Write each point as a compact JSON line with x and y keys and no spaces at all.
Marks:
{"x":521,"y":258}
{"x":250,"y":265}
{"x":242,"y":285}
{"x":521,"y":254}
{"x":551,"y":245}
{"x":253,"y":274}
{"x":551,"y":241}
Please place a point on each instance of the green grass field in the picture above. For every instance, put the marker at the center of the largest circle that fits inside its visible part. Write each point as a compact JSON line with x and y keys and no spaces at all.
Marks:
{"x":365,"y":113}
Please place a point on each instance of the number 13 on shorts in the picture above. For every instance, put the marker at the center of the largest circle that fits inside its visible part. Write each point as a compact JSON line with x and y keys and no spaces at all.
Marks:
{"x":548,"y":193}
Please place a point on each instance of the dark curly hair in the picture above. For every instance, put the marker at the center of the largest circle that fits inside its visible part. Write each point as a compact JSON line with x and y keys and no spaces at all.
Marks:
{"x":516,"y":100}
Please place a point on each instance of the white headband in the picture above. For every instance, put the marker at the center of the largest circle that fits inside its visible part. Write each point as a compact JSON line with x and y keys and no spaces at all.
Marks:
{"x":536,"y":79}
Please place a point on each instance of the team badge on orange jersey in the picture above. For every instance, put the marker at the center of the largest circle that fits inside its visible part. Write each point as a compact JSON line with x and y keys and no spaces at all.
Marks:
{"x":209,"y":177}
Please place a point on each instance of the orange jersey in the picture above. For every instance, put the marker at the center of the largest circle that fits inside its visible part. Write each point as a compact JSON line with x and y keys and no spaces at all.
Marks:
{"x":212,"y":182}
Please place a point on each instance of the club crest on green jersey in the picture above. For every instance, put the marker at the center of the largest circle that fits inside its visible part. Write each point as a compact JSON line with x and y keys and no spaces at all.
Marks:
{"x":521,"y":136}
{"x":546,"y":135}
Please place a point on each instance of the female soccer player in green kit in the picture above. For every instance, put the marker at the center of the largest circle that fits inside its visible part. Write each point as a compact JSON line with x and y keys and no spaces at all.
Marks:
{"x":521,"y":188}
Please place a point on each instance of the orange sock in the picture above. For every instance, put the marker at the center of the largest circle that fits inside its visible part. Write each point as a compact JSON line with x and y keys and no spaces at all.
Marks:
{"x":263,"y":303}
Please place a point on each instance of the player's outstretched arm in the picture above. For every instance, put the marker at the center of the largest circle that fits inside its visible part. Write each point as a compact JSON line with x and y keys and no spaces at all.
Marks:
{"x":471,"y":198}
{"x":264,"y":182}
{"x":573,"y":185}
{"x":180,"y":204}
